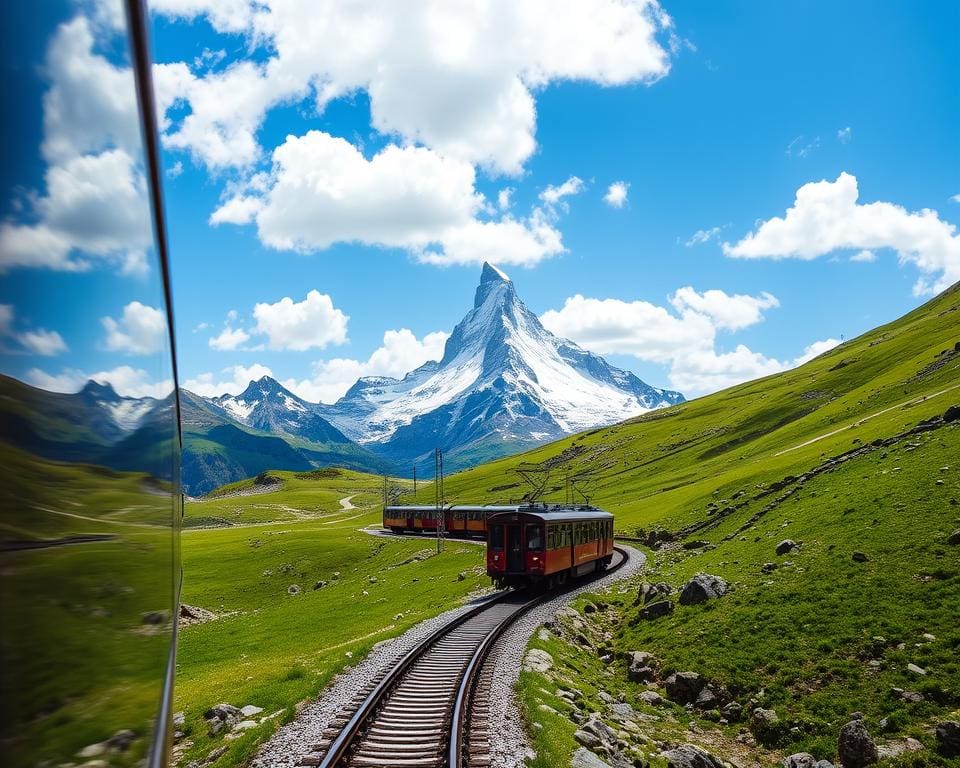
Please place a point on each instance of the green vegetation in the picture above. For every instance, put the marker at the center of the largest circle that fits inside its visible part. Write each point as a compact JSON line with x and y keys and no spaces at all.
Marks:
{"x":820,"y":455}
{"x":274,"y":649}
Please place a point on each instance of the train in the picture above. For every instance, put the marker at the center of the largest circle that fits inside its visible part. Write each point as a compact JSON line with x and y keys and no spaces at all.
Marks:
{"x":527,"y":544}
{"x":460,"y":519}
{"x":546,"y":546}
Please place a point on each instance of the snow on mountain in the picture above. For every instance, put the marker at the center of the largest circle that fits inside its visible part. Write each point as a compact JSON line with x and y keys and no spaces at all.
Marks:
{"x":124,"y":413}
{"x":266,"y":405}
{"x":503,"y":378}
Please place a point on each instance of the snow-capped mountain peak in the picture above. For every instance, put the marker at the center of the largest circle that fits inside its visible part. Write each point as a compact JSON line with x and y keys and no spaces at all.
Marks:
{"x":503,"y":378}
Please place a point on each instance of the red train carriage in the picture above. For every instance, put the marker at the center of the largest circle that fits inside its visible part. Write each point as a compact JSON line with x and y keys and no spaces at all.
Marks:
{"x":547,"y":545}
{"x":459,"y":519}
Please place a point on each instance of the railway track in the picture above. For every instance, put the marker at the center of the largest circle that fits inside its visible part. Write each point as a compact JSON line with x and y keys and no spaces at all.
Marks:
{"x":430,"y":710}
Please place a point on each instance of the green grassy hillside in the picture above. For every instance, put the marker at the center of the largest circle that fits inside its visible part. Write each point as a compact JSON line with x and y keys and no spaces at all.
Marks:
{"x":856,"y":451}
{"x":670,"y":467}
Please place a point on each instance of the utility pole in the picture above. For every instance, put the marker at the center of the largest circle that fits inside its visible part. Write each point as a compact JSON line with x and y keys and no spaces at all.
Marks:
{"x":414,"y":480}
{"x":438,"y":495}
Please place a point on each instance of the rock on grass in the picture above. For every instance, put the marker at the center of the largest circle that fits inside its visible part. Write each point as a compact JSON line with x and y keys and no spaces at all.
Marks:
{"x":855,"y":746}
{"x":690,"y":756}
{"x":947,"y":734}
{"x":703,"y":587}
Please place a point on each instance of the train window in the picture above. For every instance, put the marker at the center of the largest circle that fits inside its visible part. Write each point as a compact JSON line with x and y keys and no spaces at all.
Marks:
{"x":534,"y":538}
{"x":495,"y":539}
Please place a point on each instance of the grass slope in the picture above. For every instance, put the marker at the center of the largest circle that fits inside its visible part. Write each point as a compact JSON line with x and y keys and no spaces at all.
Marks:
{"x":273,"y":649}
{"x":822,"y":454}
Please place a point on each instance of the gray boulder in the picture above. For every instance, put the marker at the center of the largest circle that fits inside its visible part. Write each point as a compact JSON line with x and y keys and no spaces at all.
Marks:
{"x":947,"y":734}
{"x":684,"y":687}
{"x":652,"y":698}
{"x":855,"y":747}
{"x":690,"y":756}
{"x":766,"y":726}
{"x":800,"y":760}
{"x":732,"y":711}
{"x":703,"y":587}
{"x":785,"y":546}
{"x":650,"y":592}
{"x":707,"y":699}
{"x":586,"y":739}
{"x":859,"y":557}
{"x":584,"y":758}
{"x":121,"y":740}
{"x":954,"y":538}
{"x":656,"y":610}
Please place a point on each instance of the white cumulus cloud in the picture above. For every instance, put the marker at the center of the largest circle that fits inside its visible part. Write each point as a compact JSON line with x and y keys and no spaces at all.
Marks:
{"x":458,"y":78}
{"x":322,"y":190}
{"x":142,"y":330}
{"x":685,"y":339}
{"x":616,"y":196}
{"x":826,"y":216}
{"x":300,"y":325}
{"x":229,"y":339}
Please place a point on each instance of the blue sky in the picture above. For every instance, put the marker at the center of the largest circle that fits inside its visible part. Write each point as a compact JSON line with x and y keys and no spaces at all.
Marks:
{"x":712,"y":116}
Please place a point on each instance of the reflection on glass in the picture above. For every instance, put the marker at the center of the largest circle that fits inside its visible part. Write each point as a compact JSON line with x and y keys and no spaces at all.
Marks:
{"x":89,"y":448}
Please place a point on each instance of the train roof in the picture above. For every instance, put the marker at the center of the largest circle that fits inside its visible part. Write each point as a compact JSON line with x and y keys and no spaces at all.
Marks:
{"x":558,"y":514}
{"x":495,"y":508}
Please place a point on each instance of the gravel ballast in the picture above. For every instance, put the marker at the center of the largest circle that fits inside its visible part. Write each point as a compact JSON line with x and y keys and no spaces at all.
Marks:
{"x":507,"y":738}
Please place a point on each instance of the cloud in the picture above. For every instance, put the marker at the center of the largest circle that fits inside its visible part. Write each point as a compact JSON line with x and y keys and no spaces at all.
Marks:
{"x":685,"y":339}
{"x":229,"y":339}
{"x":95,"y":208}
{"x":175,"y":170}
{"x":322,"y":190}
{"x":844,"y":135}
{"x":702,"y":236}
{"x":504,"y":202}
{"x":554,"y":194}
{"x":43,"y":342}
{"x":127,"y":381}
{"x":308,"y":324}
{"x":826,"y":217}
{"x":38,"y":341}
{"x":956,"y":198}
{"x":400,"y":353}
{"x":616,"y":196}
{"x":238,"y":377}
{"x":141,"y":331}
{"x":728,"y":312}
{"x":457,"y":79}
{"x":864,"y":256}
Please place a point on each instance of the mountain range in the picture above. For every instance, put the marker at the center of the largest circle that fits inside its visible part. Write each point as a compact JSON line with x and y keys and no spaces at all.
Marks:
{"x":504,"y":384}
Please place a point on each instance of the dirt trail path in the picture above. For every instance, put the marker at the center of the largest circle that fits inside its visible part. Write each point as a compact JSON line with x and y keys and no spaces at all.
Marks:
{"x":346,"y":504}
{"x":858,"y":422}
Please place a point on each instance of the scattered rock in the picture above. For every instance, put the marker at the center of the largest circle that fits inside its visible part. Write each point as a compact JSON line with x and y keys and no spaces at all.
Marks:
{"x":584,"y":758}
{"x":912,"y":697}
{"x":320,"y":584}
{"x":703,"y":587}
{"x":586,"y":739}
{"x":768,"y":567}
{"x":855,"y":747}
{"x":800,"y":760}
{"x":708,"y":699}
{"x":641,"y":667}
{"x":221,"y":716}
{"x":732,"y":711}
{"x":250,"y":710}
{"x":656,"y":610}
{"x":914,"y":669}
{"x":684,"y":687}
{"x":245,"y":725}
{"x":785,"y":546}
{"x":294,"y":589}
{"x":121,"y":740}
{"x":898,"y":747}
{"x":859,"y":557}
{"x":952,"y":413}
{"x":954,"y":538}
{"x":179,"y":719}
{"x":650,"y":592}
{"x":537,"y":660}
{"x":690,"y":756}
{"x":766,"y":726}
{"x":621,"y":709}
{"x":192,"y":614}
{"x":154,"y":618}
{"x":947,"y":734}
{"x":92,"y":750}
{"x":652,"y":698}
{"x":372,"y":580}
{"x":697,"y":544}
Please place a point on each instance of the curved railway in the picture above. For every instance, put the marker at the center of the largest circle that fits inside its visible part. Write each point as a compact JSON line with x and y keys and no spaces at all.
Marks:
{"x":430,"y":709}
